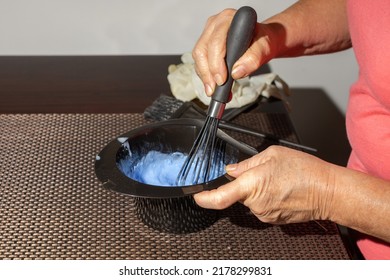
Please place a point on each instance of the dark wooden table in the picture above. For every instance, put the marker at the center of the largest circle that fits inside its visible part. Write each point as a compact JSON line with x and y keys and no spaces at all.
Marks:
{"x":128,"y":84}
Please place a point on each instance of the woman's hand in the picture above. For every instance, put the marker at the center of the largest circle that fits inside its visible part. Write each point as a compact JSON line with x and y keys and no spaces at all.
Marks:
{"x":210,"y":50}
{"x":279,"y":185}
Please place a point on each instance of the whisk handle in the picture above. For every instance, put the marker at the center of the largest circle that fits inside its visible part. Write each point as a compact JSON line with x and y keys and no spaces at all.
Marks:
{"x":239,"y":37}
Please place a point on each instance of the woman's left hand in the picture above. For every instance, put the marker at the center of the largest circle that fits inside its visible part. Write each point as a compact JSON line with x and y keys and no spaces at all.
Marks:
{"x":279,"y":185}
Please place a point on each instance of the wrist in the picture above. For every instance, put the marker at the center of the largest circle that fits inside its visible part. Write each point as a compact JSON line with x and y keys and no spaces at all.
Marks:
{"x":323,"y":184}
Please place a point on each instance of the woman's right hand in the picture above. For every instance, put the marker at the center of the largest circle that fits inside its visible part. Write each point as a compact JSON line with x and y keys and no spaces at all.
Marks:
{"x":210,"y":50}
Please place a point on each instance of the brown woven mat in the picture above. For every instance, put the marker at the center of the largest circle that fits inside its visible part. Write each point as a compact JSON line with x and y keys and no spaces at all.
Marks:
{"x":53,"y":207}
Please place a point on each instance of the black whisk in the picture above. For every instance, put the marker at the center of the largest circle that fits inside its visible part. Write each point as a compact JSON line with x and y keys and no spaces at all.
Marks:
{"x":203,"y":155}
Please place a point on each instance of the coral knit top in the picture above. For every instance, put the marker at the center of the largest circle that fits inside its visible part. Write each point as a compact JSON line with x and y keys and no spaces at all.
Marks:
{"x":368,"y":113}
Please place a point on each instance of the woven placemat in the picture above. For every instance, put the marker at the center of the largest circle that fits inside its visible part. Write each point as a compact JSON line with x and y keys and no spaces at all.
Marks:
{"x":53,"y":207}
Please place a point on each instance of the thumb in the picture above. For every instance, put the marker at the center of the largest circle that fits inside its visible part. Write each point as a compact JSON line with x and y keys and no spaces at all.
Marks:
{"x":237,"y":169}
{"x":246,"y":64}
{"x":222,"y":197}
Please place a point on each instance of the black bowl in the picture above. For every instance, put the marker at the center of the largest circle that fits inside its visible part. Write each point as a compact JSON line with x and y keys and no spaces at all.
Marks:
{"x":166,"y":208}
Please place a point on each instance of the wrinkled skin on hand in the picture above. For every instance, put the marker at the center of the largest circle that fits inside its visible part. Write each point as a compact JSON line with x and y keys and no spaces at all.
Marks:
{"x":279,"y":185}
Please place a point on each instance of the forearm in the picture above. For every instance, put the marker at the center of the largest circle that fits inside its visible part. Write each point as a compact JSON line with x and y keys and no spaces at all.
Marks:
{"x":310,"y":27}
{"x":361,"y":202}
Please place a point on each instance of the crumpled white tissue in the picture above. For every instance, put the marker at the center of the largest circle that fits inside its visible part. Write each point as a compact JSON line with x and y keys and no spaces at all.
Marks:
{"x":186,"y":85}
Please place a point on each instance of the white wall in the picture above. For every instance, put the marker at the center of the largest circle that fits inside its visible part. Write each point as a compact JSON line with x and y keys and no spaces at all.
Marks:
{"x":83,"y":27}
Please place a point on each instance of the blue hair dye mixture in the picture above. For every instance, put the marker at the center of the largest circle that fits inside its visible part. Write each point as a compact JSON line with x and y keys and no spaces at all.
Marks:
{"x":161,"y":169}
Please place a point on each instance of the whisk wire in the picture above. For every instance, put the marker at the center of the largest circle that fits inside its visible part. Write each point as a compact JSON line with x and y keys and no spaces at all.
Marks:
{"x":218,"y":159}
{"x":203,"y":153}
{"x":183,"y":173}
{"x":212,"y":153}
{"x":198,"y":164}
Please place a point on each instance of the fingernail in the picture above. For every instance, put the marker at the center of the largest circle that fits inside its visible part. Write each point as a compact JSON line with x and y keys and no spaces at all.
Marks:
{"x":238,"y":72}
{"x":231,"y":167}
{"x":218,"y":79}
{"x":209,"y":90}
